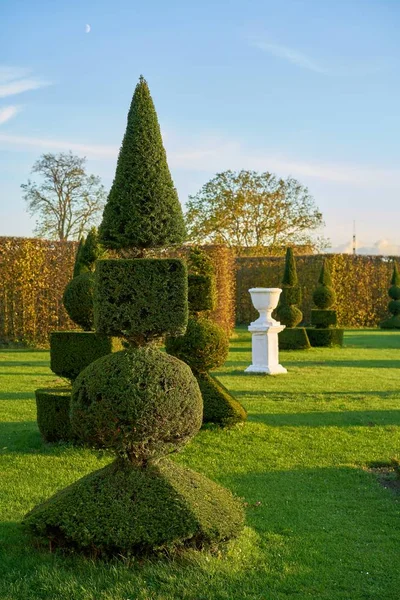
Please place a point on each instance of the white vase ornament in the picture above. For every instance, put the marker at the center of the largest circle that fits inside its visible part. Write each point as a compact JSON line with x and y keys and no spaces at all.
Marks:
{"x":264,"y":343}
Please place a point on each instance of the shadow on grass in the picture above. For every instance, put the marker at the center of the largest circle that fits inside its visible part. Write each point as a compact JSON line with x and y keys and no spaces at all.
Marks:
{"x":30,"y":363}
{"x":368,"y":418}
{"x":17,"y":395}
{"x":306,"y":397}
{"x":22,"y":437}
{"x":354,"y":364}
{"x":25,"y":374}
{"x":366,"y":338}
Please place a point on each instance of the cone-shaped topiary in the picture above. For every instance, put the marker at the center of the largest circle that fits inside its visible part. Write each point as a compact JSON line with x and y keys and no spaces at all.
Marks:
{"x":139,"y":403}
{"x":143,"y":209}
{"x":91,"y":251}
{"x":287,"y":312}
{"x":323,"y":318}
{"x":77,"y":264}
{"x":324,"y":295}
{"x":393,"y":322}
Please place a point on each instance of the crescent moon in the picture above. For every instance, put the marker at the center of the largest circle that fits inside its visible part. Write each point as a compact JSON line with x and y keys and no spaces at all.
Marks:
{"x":87,"y":28}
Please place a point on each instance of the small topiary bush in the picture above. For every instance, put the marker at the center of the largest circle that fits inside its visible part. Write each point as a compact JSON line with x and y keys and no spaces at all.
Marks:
{"x":73,"y":351}
{"x":204,"y":346}
{"x":287,"y":312}
{"x":202,"y":293}
{"x":78,"y":300}
{"x":393,"y":322}
{"x":325,"y":337}
{"x":294,"y":339}
{"x":141,"y":403}
{"x":219,"y":405}
{"x":53,"y":414}
{"x":119,"y":510}
{"x":142,"y":298}
{"x":323,"y":318}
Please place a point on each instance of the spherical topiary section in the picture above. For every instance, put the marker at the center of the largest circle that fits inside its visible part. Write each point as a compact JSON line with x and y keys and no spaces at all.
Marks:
{"x":394,"y":307}
{"x":204,"y":346}
{"x":141,"y":403}
{"x":324,"y":296}
{"x":290,"y":315}
{"x":393,"y":322}
{"x":394,"y":292}
{"x":78,"y":300}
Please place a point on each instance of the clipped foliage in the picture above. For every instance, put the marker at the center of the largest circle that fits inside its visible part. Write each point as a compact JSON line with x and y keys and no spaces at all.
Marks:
{"x":77,"y":265}
{"x":294,"y":339}
{"x":141,"y":403}
{"x":53,"y":420}
{"x":78,"y":300}
{"x":141,"y":299}
{"x":204,"y":346}
{"x":219,"y":405}
{"x":122,"y":510}
{"x":91,"y":251}
{"x":287,"y":312}
{"x":73,"y":351}
{"x":199,"y":262}
{"x":143,"y":209}
{"x":324,"y":295}
{"x":201,"y":293}
{"x":323,"y":318}
{"x":393,"y":322}
{"x":325,"y":337}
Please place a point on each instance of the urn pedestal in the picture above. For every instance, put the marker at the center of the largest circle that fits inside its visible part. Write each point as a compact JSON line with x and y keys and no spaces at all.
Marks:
{"x":265,"y":348}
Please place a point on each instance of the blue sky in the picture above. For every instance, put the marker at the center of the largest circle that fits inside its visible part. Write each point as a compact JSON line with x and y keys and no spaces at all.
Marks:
{"x":308,"y":88}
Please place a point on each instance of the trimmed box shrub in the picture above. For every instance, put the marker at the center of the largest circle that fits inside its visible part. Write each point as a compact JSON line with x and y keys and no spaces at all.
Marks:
{"x":294,"y":338}
{"x":73,"y":351}
{"x":323,"y":318}
{"x":52,"y":405}
{"x":141,"y":299}
{"x":325,"y":337}
{"x":202,"y":293}
{"x":393,"y":322}
{"x":288,"y":313}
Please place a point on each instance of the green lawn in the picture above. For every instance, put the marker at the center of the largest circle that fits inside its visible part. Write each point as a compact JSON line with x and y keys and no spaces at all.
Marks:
{"x":319,"y":525}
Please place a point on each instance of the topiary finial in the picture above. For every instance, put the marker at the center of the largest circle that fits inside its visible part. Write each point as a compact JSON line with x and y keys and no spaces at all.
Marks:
{"x":290,"y":273}
{"x":324,"y":295}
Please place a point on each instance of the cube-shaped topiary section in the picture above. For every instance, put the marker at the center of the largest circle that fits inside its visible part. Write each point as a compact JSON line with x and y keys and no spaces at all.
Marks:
{"x":323,"y":318}
{"x":219,"y":405}
{"x":295,"y":338}
{"x":141,"y":299}
{"x":325,"y":337}
{"x":122,"y":510}
{"x":73,"y":351}
{"x":202,"y":293}
{"x":52,"y":405}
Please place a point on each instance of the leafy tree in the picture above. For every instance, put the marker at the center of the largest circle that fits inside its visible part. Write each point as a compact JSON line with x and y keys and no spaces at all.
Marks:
{"x":247,"y":209}
{"x":143,"y":209}
{"x":67,"y":201}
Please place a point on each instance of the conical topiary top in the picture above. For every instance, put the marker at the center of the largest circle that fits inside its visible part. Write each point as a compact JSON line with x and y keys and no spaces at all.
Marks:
{"x":143,"y":209}
{"x":324,"y":295}
{"x":287,"y":311}
{"x":290,"y":273}
{"x":396,"y":275}
{"x":77,"y":265}
{"x":91,"y":251}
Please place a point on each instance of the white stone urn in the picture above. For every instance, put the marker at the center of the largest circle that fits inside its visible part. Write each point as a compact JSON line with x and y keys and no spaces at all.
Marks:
{"x":264,"y":343}
{"x":265,"y":300}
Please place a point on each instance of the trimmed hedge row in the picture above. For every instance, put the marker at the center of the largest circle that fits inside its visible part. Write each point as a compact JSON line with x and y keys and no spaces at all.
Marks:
{"x":360,"y":283}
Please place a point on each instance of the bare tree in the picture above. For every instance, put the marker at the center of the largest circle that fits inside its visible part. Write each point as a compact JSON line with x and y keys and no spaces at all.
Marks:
{"x":67,"y":201}
{"x":249,"y":209}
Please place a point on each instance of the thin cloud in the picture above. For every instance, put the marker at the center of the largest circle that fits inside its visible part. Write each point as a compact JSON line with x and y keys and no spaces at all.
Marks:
{"x":8,"y":113}
{"x":293,"y":56}
{"x":16,"y":80}
{"x":91,"y":150}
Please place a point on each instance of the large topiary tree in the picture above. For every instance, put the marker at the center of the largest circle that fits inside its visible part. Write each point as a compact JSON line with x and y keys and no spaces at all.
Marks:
{"x":143,"y":209}
{"x":72,"y":351}
{"x":139,"y":403}
{"x":205,"y":344}
{"x":288,"y":312}
{"x":393,"y":322}
{"x":323,"y":318}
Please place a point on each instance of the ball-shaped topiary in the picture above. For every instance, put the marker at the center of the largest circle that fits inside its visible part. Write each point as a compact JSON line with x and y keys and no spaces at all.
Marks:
{"x":140,"y":403}
{"x":204,"y":346}
{"x":290,"y":315}
{"x":78,"y":300}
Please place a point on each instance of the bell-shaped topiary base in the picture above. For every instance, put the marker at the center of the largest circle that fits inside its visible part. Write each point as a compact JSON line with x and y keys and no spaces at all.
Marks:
{"x":391,"y":323}
{"x":294,"y":339}
{"x":53,"y":420}
{"x":122,"y":510}
{"x":324,"y":338}
{"x":219,"y":406}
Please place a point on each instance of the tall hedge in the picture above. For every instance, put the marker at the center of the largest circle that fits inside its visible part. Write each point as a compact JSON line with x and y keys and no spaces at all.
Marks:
{"x":143,"y":209}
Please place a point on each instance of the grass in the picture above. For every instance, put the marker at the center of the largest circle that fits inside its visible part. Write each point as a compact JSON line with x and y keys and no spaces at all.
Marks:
{"x":319,"y":524}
